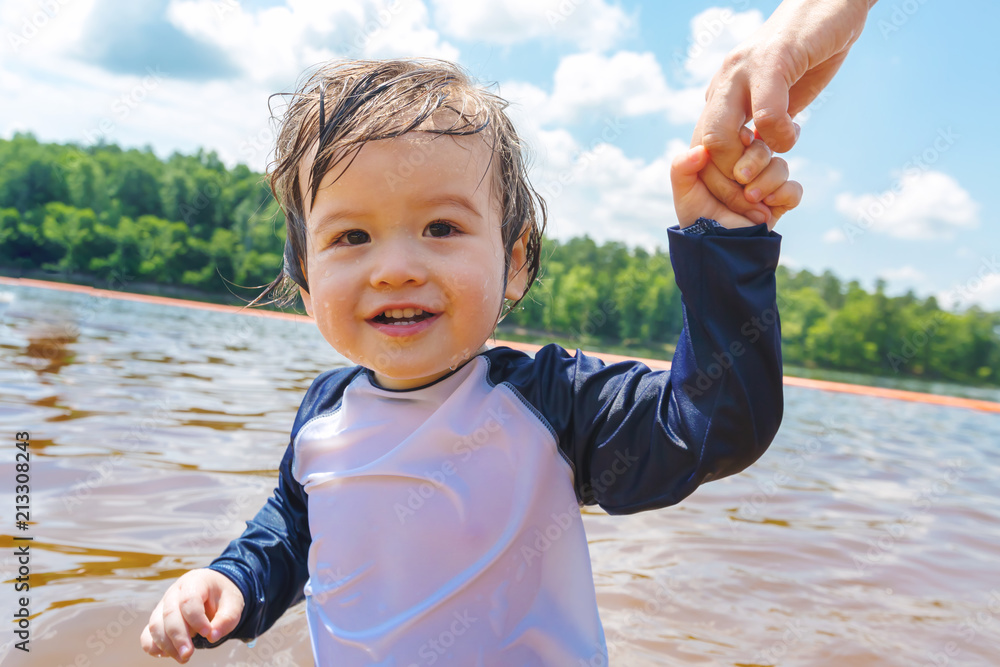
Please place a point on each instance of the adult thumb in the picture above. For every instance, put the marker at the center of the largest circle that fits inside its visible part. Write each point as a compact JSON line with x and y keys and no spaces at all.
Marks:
{"x":769,"y":99}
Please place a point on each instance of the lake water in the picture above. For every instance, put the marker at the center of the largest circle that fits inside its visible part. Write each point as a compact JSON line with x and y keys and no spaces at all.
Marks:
{"x":869,"y":534}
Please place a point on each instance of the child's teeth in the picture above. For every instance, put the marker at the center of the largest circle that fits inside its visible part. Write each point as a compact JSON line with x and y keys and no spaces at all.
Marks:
{"x":400,"y":313}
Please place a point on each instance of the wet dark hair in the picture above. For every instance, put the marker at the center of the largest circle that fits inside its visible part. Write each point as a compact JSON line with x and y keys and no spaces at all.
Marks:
{"x":345,"y":104}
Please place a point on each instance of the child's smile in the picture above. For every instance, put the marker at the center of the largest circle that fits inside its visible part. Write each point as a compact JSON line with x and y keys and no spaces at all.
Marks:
{"x":405,"y":260}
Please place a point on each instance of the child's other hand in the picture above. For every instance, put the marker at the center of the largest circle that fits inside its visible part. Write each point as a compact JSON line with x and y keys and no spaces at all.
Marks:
{"x":201,"y":602}
{"x":767,"y":183}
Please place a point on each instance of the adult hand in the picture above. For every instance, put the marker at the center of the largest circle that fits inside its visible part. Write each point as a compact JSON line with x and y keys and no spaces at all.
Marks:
{"x":770,"y":78}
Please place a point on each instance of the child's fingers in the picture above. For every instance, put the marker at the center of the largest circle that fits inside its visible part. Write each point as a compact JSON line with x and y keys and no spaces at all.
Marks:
{"x":767,"y":181}
{"x":146,"y":640}
{"x":684,"y":170}
{"x":176,"y":633}
{"x":755,"y":158}
{"x":193,"y":612}
{"x":746,"y":136}
{"x":154,"y":640}
{"x":227,"y":616}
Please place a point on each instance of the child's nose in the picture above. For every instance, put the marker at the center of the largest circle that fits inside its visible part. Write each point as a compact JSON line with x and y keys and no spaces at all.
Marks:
{"x":397,"y":262}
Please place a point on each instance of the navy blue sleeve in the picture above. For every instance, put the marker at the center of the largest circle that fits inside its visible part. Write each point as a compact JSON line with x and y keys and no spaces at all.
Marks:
{"x":639,"y":439}
{"x":268,"y":562}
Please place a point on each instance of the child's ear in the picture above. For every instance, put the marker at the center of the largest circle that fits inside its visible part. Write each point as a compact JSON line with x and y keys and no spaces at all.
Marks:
{"x":517,"y":273}
{"x":306,"y":301}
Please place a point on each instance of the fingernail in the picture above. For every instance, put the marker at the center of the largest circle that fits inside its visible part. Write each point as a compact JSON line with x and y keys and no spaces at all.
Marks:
{"x":757,"y":216}
{"x":745,"y":172}
{"x":798,"y":130}
{"x":754,"y":194}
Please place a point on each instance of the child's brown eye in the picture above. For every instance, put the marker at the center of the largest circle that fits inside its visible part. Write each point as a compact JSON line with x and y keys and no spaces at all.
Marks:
{"x":353,"y":237}
{"x":440,"y":228}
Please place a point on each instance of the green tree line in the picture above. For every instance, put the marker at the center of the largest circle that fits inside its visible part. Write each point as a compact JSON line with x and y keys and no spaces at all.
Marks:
{"x":188,"y":221}
{"x":128,"y":216}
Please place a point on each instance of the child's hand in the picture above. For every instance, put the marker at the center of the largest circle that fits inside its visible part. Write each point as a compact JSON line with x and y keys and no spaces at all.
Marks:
{"x":768,"y":182}
{"x":202,"y":602}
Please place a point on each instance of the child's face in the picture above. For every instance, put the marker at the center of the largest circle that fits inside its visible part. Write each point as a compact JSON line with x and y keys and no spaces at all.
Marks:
{"x":411,"y":224}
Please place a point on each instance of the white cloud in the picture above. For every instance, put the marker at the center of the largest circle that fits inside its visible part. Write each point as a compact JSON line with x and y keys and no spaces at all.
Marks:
{"x":904,"y":274}
{"x":834,"y":235}
{"x":789,"y":262}
{"x":628,"y":83}
{"x":601,"y":192}
{"x":274,"y":45}
{"x":624,"y":84}
{"x":590,"y":25}
{"x":983,"y":289}
{"x":714,"y":33}
{"x":921,"y":205}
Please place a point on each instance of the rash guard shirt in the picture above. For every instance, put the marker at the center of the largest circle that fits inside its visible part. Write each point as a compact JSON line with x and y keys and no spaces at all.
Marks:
{"x":441,"y":525}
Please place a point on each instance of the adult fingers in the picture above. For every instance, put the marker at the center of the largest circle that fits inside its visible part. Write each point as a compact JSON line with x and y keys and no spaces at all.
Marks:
{"x":753,"y":161}
{"x":730,"y":193}
{"x":769,"y":100}
{"x":719,"y":128}
{"x":767,"y":181}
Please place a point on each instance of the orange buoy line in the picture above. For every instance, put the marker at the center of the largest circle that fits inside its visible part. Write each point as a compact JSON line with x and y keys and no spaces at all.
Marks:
{"x":656,"y":364}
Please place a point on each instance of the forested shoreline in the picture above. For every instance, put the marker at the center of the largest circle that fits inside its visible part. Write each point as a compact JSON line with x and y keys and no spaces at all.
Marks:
{"x":127,"y":219}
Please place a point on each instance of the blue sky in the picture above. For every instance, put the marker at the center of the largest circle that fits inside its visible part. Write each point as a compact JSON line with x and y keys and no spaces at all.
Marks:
{"x":895,"y":159}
